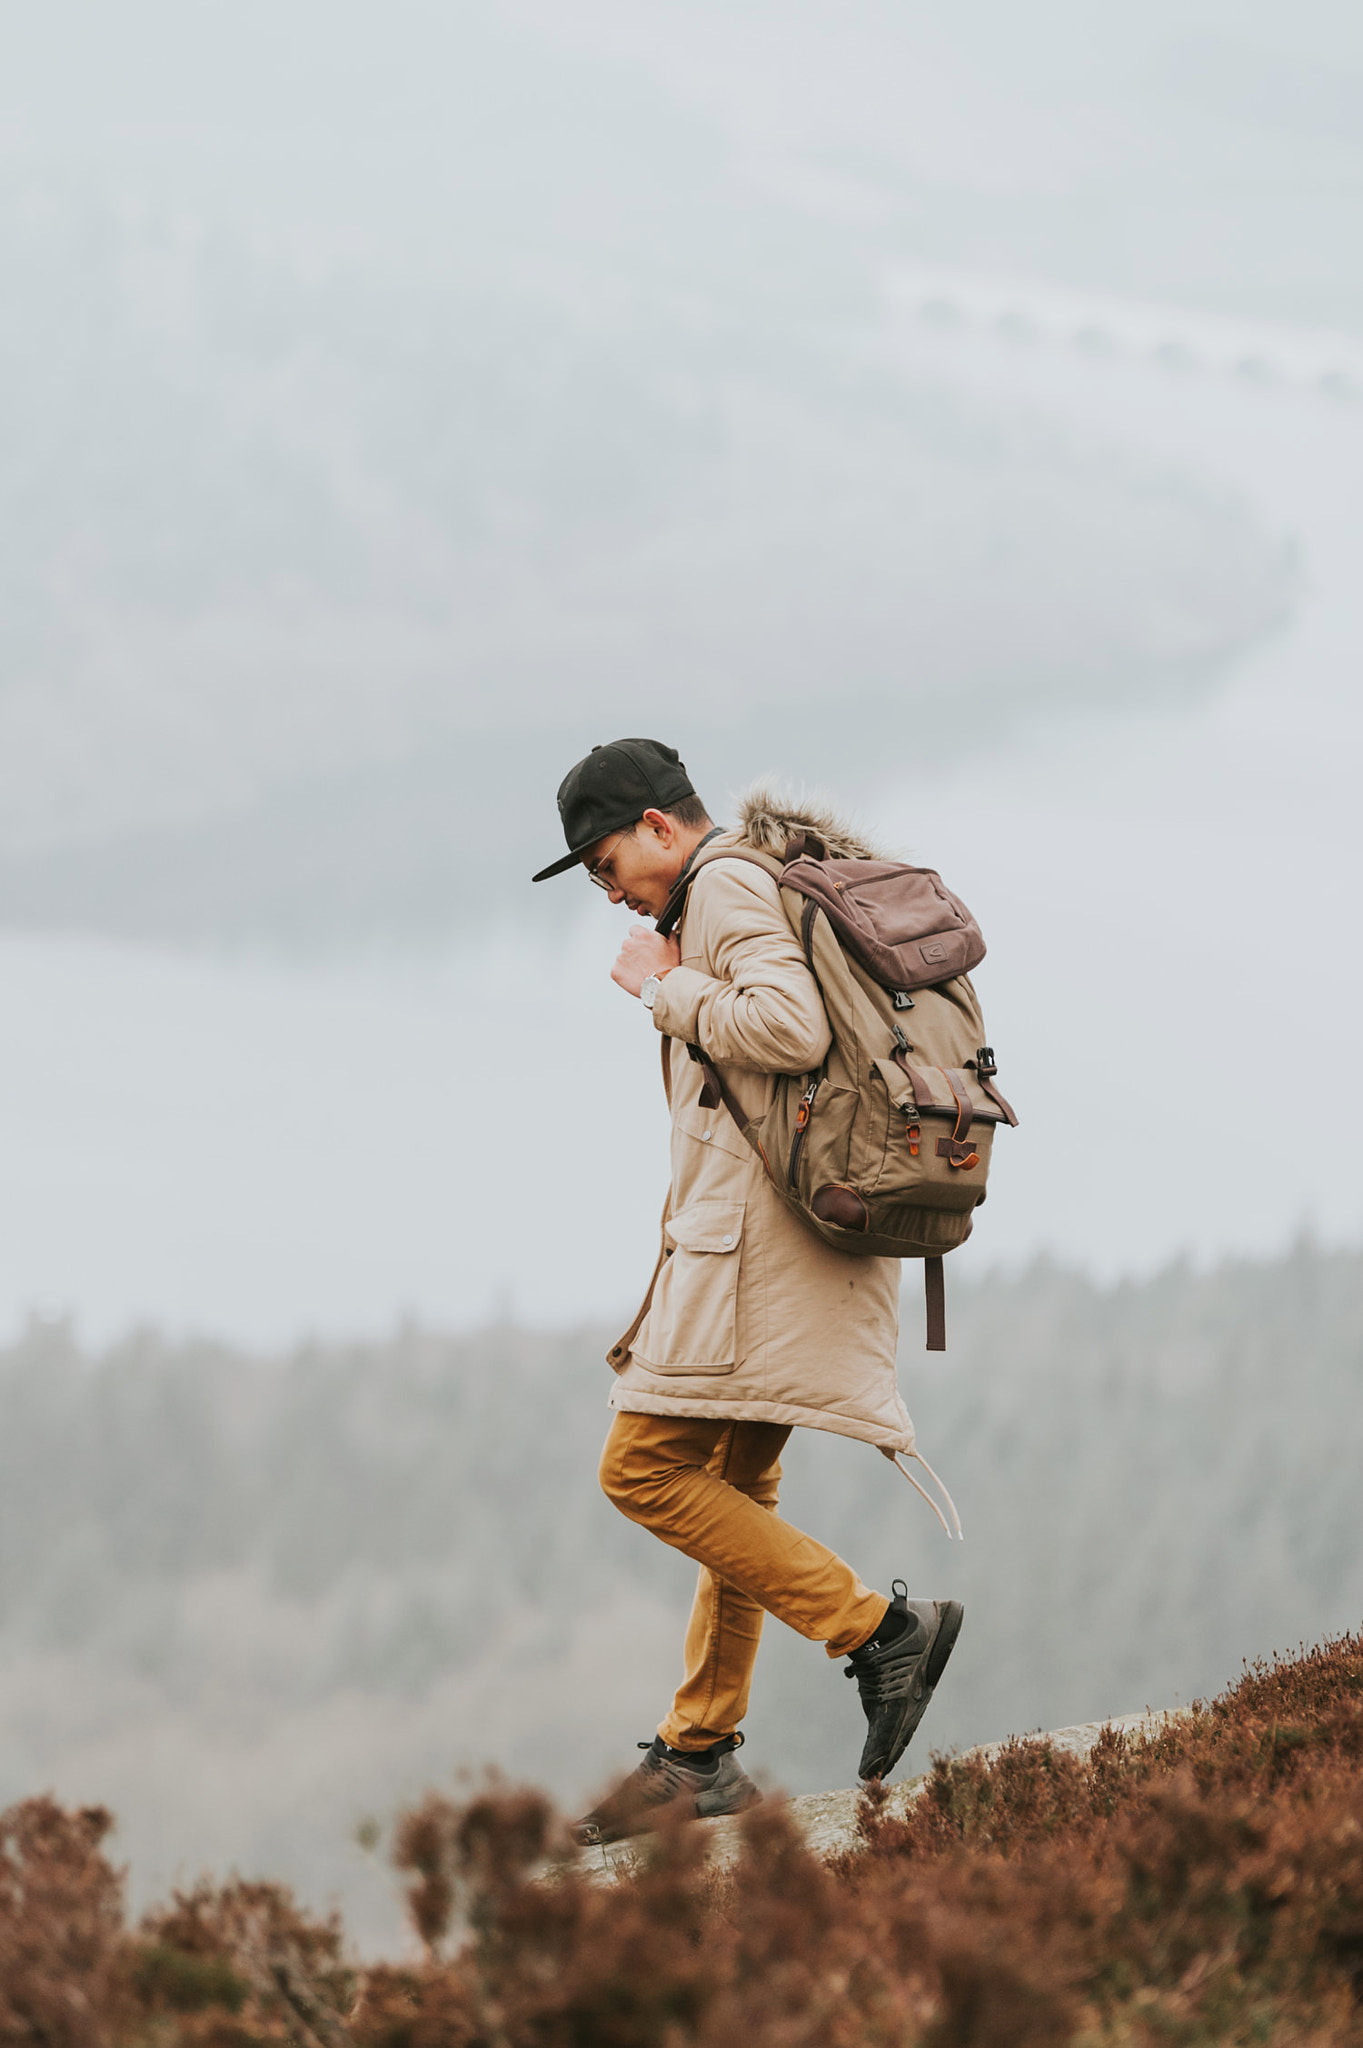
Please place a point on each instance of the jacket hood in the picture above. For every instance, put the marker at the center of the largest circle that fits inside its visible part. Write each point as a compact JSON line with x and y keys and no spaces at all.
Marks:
{"x":768,"y":816}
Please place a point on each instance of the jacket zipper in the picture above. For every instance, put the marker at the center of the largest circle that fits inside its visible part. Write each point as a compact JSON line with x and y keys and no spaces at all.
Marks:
{"x":802,"y":1116}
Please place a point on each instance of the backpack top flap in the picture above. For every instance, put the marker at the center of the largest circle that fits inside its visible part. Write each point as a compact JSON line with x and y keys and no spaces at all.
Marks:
{"x":903,"y":924}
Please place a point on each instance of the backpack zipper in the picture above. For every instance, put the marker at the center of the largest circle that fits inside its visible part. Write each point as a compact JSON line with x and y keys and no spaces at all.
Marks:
{"x":802,"y":1116}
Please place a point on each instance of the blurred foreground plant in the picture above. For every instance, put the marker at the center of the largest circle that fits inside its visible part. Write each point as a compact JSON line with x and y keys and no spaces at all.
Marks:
{"x":1203,"y":1885}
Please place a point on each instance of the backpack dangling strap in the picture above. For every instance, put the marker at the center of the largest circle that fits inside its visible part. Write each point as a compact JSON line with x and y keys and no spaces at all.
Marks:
{"x":935,"y":1297}
{"x":985,"y":1070}
{"x":716,"y":1088}
{"x":893,"y":1457}
{"x":965,"y":1108}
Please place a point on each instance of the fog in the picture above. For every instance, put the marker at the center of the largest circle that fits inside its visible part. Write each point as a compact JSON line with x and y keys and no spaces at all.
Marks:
{"x":255,"y":1603}
{"x":962,"y":414}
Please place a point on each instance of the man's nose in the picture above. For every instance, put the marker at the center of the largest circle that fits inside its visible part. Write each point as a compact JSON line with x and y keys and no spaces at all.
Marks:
{"x":617,"y":894}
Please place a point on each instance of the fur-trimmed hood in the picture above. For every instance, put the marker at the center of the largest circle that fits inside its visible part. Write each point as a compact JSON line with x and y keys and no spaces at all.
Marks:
{"x":768,"y":816}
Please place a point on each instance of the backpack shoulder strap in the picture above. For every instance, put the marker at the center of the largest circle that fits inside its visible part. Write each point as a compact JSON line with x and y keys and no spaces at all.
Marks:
{"x":676,"y":902}
{"x":716,"y":1090}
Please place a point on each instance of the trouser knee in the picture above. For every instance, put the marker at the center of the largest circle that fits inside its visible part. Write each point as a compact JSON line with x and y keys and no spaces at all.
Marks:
{"x":624,"y":1485}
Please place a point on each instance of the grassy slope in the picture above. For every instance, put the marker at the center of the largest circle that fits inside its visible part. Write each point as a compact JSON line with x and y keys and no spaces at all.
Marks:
{"x":1205,"y":1885}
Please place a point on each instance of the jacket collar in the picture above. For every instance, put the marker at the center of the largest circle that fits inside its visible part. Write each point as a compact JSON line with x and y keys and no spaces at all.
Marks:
{"x":676,"y":901}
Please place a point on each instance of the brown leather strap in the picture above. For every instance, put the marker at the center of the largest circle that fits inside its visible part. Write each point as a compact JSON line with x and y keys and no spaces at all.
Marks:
{"x":921,"y":1084}
{"x":618,"y":1353}
{"x":935,"y":1297}
{"x":807,"y":917}
{"x":717,"y":1090}
{"x":958,"y":1152}
{"x":992,"y":1092}
{"x":965,"y":1108}
{"x":681,"y":888}
{"x":920,"y":1087}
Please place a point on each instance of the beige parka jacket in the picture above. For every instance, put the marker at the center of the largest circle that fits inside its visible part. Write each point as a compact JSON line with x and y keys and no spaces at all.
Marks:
{"x":749,"y":1314}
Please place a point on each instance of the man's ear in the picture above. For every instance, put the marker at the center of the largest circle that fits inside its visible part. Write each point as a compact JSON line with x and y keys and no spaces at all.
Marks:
{"x":663,"y":828}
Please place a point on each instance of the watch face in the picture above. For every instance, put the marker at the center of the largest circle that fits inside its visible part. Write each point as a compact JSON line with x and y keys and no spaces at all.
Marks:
{"x":649,"y":991}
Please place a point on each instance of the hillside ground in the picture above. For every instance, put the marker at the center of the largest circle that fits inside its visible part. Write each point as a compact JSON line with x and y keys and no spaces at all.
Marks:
{"x":1200,"y":1884}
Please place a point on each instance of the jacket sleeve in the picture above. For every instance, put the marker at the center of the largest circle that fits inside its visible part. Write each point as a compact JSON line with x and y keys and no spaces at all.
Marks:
{"x":744,"y":992}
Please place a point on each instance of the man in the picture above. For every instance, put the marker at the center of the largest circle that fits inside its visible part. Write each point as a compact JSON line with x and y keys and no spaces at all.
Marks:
{"x":752,"y":1324}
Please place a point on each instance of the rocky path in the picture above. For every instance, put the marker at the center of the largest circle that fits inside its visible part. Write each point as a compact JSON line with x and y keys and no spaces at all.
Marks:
{"x":828,"y":1820}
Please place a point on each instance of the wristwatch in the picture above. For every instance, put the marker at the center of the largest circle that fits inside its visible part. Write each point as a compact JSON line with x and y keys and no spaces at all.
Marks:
{"x":648,"y":994}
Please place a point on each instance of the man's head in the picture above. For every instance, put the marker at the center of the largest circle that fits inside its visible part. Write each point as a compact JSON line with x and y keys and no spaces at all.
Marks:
{"x":631,"y":817}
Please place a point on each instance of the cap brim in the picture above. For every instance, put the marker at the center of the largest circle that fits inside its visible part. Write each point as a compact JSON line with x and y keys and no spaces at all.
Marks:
{"x":579,"y":853}
{"x":561,"y":867}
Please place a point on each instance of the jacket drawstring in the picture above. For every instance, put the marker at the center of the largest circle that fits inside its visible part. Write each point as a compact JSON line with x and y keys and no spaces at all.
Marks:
{"x":893,"y":1457}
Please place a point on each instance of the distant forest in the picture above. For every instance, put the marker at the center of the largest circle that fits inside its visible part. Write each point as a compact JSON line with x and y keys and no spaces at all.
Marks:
{"x":250,"y":1602}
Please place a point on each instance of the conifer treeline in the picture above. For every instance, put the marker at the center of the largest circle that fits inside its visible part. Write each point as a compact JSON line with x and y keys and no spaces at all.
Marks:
{"x":397,"y":1550}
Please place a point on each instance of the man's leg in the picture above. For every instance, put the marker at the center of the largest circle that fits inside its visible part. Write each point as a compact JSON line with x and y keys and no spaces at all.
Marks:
{"x":726,"y":1623}
{"x":662,"y":1471}
{"x":709,"y":1488}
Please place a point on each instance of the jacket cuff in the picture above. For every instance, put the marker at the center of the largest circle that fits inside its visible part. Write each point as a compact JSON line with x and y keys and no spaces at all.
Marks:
{"x":676,"y":1007}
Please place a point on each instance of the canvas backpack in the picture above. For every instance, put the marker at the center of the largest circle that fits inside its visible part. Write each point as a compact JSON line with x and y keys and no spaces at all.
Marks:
{"x":885,"y":1150}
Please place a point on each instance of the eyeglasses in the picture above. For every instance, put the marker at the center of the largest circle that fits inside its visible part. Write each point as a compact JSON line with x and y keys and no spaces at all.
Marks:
{"x":594,"y":873}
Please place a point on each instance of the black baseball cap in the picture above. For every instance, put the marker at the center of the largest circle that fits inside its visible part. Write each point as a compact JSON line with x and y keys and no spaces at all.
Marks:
{"x":611,"y":789}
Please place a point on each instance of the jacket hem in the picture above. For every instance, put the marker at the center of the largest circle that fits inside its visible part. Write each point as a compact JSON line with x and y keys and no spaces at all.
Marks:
{"x":633,"y":1401}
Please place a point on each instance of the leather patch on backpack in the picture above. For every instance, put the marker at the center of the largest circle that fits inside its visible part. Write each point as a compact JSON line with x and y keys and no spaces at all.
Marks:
{"x":840,"y":1205}
{"x":959,"y":1151}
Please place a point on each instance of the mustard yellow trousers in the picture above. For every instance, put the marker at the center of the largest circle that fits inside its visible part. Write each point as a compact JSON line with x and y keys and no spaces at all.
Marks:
{"x":709,"y":1489}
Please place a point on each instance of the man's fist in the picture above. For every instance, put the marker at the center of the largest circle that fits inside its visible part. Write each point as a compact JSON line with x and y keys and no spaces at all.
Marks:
{"x":642,"y":954}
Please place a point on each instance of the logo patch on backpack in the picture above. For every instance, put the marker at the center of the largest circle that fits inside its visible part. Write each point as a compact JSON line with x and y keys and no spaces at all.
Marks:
{"x":933,"y":950}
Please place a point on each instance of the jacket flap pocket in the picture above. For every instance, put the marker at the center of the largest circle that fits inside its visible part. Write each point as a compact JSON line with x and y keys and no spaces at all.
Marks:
{"x":715,"y":1128}
{"x":707,"y":1226}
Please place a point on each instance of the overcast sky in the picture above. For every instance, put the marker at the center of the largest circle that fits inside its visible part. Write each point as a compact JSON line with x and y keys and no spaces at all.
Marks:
{"x":398,"y":401}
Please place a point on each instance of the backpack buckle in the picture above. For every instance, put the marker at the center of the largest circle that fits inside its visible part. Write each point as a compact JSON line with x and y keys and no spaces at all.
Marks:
{"x":984,"y":1062}
{"x":901,"y":999}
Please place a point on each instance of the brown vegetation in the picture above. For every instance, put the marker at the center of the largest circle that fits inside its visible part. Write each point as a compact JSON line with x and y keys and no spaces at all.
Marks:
{"x":1203,"y":1885}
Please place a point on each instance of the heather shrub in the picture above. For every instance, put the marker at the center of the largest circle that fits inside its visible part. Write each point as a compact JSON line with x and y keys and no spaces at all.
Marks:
{"x":470,"y":1858}
{"x":1203,"y":1885}
{"x":238,"y":1964}
{"x":62,"y":1979}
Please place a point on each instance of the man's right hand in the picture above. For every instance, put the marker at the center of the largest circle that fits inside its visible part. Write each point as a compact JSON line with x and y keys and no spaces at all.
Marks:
{"x":642,"y":954}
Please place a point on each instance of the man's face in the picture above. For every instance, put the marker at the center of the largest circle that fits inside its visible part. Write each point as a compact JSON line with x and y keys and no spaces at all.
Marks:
{"x":639,"y":867}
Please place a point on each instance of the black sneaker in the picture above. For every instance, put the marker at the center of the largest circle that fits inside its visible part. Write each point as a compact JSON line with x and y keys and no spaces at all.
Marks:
{"x":896,"y":1678}
{"x":695,"y":1784}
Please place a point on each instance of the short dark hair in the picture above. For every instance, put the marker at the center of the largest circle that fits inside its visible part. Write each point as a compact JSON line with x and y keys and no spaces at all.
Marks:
{"x":689,"y":810}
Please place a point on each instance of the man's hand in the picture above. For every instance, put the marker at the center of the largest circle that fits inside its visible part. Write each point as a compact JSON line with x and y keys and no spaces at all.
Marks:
{"x":642,"y":954}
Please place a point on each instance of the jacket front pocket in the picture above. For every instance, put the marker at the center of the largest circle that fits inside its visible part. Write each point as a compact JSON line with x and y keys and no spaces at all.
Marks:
{"x":692,"y":1321}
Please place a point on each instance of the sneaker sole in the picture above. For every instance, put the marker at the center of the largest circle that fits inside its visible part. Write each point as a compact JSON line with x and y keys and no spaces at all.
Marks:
{"x":941,"y":1643}
{"x":737,"y":1799}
